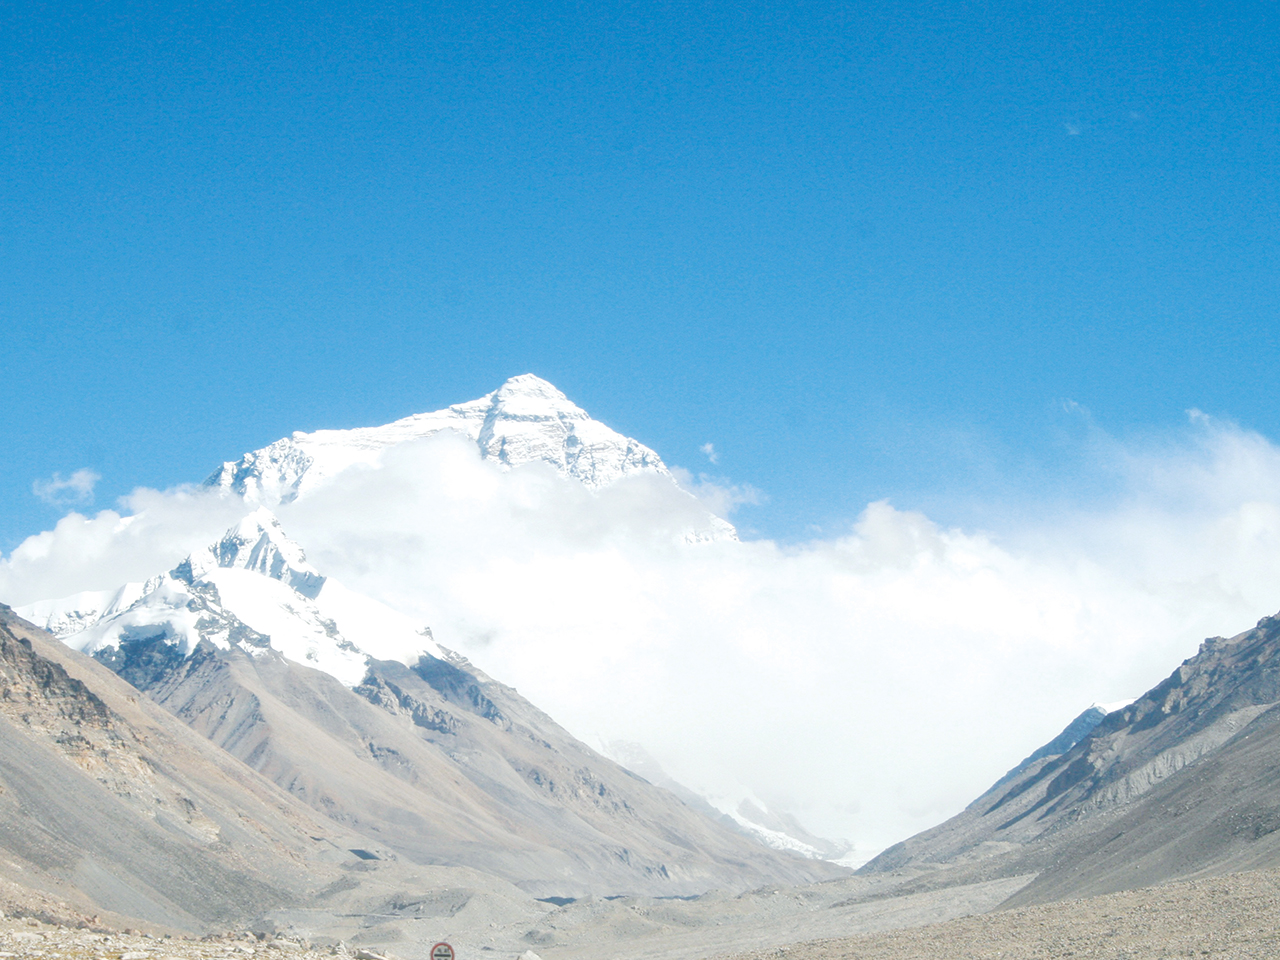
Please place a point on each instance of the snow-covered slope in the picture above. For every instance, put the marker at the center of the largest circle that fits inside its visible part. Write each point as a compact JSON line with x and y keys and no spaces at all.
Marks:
{"x":525,"y":420}
{"x":253,"y":589}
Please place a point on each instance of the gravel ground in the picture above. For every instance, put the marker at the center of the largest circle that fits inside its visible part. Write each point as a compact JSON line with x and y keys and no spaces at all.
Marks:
{"x":22,"y":938}
{"x":1235,"y":916}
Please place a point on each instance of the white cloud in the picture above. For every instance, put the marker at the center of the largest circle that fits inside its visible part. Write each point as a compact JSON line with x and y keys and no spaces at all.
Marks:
{"x":76,"y":489}
{"x":718,"y":494}
{"x":709,"y":450}
{"x":151,"y":533}
{"x":873,"y":682}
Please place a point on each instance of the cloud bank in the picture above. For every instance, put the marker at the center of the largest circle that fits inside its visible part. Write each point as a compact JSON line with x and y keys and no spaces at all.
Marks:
{"x":872,"y":683}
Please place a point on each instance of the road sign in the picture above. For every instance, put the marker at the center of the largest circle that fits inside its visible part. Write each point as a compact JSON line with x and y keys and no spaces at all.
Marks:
{"x":442,"y":951}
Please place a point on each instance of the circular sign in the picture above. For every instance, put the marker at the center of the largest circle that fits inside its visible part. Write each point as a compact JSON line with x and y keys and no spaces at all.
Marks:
{"x":442,"y":951}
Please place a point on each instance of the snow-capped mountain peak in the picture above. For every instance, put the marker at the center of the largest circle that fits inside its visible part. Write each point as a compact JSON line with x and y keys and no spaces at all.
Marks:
{"x":257,"y":543}
{"x":528,"y":419}
{"x":525,"y":420}
{"x":252,"y":589}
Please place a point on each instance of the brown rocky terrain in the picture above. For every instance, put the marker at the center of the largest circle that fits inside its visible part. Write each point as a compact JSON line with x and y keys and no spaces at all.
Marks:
{"x":115,"y":813}
{"x":1231,"y":917}
{"x":109,"y":802}
{"x":426,"y":757}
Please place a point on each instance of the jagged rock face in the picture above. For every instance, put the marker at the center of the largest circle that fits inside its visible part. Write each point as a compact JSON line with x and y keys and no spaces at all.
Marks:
{"x":1072,"y":733}
{"x":1185,"y":738}
{"x":40,"y":694}
{"x":1202,"y":704}
{"x":258,"y":543}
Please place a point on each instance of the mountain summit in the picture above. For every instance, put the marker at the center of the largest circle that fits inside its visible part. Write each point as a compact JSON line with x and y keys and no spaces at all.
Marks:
{"x":525,"y":420}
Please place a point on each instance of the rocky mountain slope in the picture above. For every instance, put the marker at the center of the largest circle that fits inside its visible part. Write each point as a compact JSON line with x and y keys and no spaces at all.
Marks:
{"x":113,"y":806}
{"x":1183,"y":781}
{"x":373,"y":724}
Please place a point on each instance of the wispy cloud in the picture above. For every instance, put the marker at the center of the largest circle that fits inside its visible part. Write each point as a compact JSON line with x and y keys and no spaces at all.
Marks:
{"x":718,"y":494}
{"x":75,"y":490}
{"x":709,"y":449}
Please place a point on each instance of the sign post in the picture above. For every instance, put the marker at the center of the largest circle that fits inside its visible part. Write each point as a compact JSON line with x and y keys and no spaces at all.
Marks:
{"x":442,"y":951}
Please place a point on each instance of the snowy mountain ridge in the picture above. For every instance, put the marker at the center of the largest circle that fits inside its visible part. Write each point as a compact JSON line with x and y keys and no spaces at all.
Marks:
{"x":526,"y":420}
{"x":523,"y":421}
{"x":253,"y":589}
{"x":258,"y":543}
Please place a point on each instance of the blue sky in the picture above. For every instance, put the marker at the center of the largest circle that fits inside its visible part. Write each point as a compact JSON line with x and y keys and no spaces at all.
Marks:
{"x":866,"y":251}
{"x":977,"y":259}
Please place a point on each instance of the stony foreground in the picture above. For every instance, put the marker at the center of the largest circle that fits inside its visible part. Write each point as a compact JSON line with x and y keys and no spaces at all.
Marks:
{"x":1235,"y":916}
{"x":33,"y":938}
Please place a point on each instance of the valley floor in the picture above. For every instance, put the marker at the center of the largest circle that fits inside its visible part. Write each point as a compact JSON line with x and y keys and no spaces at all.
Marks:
{"x":1234,"y":916}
